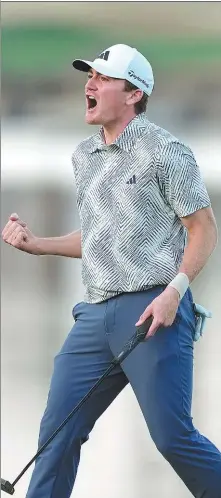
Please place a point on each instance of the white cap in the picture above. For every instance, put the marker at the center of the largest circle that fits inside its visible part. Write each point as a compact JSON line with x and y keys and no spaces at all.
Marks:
{"x":123,"y":62}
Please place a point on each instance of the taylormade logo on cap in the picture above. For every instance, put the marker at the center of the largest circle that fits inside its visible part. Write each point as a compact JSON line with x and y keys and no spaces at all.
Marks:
{"x":124,"y":62}
{"x":133,"y":75}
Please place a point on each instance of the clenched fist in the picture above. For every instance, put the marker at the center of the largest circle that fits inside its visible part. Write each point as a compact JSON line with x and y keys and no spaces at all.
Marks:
{"x":17,"y":234}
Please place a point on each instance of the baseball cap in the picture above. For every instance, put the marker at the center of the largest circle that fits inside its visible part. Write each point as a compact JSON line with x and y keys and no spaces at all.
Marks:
{"x":123,"y":62}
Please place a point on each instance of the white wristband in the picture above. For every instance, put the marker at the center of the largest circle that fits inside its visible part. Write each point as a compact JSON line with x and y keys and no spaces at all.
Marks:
{"x":180,"y":283}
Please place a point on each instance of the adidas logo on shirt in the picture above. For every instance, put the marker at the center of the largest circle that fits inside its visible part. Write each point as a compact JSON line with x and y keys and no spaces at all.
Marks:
{"x":132,"y":180}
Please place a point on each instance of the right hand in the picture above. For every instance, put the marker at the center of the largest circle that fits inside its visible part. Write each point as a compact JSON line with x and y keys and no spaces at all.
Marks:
{"x":17,"y":234}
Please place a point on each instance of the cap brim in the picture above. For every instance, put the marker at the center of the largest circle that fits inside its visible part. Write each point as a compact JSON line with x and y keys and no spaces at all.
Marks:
{"x":98,"y":66}
{"x":82,"y":65}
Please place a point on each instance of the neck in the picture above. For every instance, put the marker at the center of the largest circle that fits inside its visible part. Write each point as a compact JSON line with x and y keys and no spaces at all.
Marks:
{"x":112,"y":130}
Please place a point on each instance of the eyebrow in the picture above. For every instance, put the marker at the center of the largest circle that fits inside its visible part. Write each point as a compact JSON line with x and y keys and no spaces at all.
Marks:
{"x":91,"y":72}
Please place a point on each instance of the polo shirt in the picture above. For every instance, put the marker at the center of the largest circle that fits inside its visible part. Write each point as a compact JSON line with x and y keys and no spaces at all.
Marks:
{"x":131,"y":196}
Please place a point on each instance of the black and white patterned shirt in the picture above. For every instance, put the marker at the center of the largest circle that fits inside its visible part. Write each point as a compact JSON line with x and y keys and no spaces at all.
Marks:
{"x":130,"y":196}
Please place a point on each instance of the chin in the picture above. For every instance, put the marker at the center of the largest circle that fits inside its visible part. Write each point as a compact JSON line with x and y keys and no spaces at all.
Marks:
{"x":92,"y":119}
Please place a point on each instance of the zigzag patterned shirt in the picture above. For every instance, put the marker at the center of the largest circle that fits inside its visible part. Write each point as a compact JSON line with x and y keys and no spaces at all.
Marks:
{"x":130,"y":196}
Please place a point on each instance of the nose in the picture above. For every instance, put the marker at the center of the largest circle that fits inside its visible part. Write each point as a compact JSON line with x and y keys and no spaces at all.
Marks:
{"x":91,"y":84}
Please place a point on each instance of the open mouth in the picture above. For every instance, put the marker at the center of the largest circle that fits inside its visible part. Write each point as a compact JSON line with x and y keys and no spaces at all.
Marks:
{"x":91,"y":102}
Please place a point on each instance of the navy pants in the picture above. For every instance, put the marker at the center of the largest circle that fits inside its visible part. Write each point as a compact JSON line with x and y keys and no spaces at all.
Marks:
{"x":160,"y":373}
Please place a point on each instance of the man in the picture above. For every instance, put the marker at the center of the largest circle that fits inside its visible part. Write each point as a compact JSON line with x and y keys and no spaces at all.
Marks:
{"x":147,"y":230}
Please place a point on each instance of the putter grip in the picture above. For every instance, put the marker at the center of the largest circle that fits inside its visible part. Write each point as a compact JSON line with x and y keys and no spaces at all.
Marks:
{"x":143,"y":329}
{"x":140,"y":334}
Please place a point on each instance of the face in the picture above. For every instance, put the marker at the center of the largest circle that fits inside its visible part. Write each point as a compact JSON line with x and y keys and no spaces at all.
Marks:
{"x":106,"y":99}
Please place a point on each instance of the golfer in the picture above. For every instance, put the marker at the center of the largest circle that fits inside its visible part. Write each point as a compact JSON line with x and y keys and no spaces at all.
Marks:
{"x":147,"y":230}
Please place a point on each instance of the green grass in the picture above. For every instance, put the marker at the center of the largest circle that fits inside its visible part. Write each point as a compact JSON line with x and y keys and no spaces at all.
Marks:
{"x":50,"y":50}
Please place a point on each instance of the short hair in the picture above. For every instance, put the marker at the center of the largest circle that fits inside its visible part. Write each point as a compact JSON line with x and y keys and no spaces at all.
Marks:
{"x":140,"y":106}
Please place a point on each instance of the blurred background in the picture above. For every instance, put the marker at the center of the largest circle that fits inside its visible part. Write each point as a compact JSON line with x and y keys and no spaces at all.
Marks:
{"x":42,"y":122}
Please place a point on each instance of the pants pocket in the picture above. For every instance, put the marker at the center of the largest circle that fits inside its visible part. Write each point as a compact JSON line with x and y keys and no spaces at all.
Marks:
{"x":75,"y":311}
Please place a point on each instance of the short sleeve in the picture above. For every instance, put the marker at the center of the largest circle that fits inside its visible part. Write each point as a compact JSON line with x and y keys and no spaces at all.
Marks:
{"x":74,"y":165}
{"x":78,"y":184}
{"x":180,"y":179}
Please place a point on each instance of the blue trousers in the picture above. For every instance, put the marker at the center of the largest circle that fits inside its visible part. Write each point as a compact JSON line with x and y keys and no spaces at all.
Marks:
{"x":160,"y":373}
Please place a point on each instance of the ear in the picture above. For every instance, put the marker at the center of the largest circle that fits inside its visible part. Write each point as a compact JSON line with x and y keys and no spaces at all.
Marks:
{"x":134,"y":97}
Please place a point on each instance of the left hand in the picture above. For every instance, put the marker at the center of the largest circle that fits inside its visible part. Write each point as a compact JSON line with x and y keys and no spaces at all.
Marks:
{"x":163,"y":309}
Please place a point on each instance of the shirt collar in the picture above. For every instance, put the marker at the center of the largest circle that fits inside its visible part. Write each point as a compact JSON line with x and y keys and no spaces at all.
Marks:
{"x":127,"y":138}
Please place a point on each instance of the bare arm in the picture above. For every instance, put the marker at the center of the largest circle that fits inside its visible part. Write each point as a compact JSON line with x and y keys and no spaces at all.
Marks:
{"x":202,"y":240}
{"x":68,"y":245}
{"x":17,"y":234}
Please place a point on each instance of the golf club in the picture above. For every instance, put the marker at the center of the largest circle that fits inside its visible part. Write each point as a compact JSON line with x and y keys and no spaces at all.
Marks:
{"x":137,"y":337}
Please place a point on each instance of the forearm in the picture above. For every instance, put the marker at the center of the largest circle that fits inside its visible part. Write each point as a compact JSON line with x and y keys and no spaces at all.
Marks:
{"x":200,"y":246}
{"x":67,"y":245}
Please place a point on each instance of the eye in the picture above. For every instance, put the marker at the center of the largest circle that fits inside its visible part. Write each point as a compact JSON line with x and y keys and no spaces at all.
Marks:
{"x":89,"y":76}
{"x":104,"y":78}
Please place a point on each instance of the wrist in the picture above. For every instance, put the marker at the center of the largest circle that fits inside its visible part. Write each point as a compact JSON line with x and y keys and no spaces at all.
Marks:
{"x":40,"y":246}
{"x":173,"y":292}
{"x":180,"y":283}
